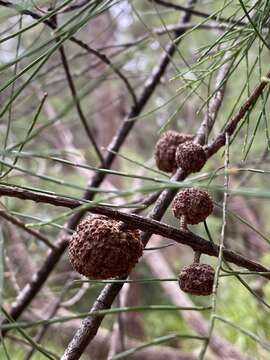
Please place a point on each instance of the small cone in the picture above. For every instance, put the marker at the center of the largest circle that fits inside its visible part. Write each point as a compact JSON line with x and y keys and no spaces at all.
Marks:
{"x":166,"y":147}
{"x":197,"y":279}
{"x":194,"y":203}
{"x":190,"y":157}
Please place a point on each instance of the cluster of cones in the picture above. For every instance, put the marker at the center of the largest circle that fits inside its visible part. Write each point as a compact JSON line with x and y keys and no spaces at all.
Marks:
{"x":102,"y":248}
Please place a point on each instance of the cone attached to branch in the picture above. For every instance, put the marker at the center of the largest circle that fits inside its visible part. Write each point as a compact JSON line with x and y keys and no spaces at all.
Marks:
{"x":166,"y":147}
{"x":101,"y":249}
{"x":197,"y":279}
{"x":190,"y":157}
{"x":195,"y":205}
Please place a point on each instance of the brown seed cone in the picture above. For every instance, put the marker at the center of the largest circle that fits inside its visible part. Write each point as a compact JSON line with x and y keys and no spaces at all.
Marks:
{"x":194,"y":203}
{"x":100,"y":249}
{"x":190,"y":157}
{"x":197,"y":279}
{"x":166,"y":147}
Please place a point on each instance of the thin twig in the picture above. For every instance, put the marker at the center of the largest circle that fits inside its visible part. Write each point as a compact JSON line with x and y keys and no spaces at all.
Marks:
{"x":108,"y":62}
{"x":75,"y":6}
{"x":231,"y":126}
{"x":215,"y":102}
{"x":178,"y":7}
{"x":117,"y":341}
{"x":78,"y":105}
{"x":52,"y":25}
{"x":165,"y":31}
{"x":54,"y":308}
{"x":14,"y":220}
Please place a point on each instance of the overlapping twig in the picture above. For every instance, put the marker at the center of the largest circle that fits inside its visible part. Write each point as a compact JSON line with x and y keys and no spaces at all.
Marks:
{"x":178,"y":7}
{"x":14,"y":220}
{"x":102,"y":57}
{"x":229,"y":129}
{"x":78,"y":105}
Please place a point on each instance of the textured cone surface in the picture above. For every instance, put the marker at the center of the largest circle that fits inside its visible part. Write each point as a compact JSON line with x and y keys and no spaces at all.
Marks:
{"x":197,"y":279}
{"x":190,"y":157}
{"x":101,"y":249}
{"x":194,"y":203}
{"x":166,"y":147}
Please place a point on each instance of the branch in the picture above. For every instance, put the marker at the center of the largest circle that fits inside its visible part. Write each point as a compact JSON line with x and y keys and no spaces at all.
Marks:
{"x":144,"y":224}
{"x":164,"y":31}
{"x":77,"y":103}
{"x":198,"y":13}
{"x":75,"y":7}
{"x":215,"y":102}
{"x":229,"y":129}
{"x":12,"y":219}
{"x":23,"y":11}
{"x":108,"y":62}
